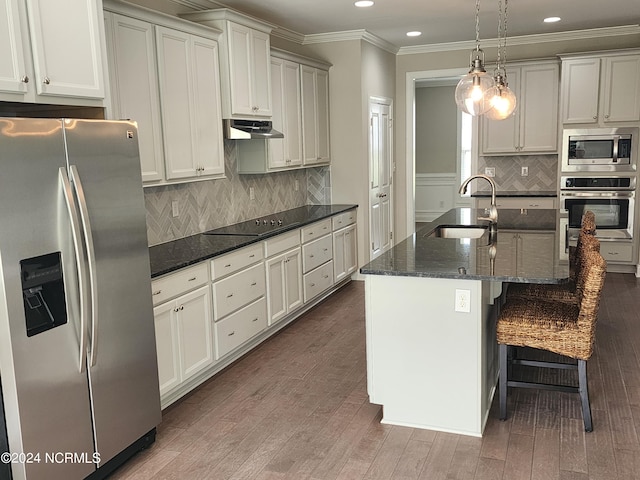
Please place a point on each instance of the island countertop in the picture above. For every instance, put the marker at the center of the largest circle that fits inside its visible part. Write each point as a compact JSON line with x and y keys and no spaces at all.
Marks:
{"x":526,"y":246}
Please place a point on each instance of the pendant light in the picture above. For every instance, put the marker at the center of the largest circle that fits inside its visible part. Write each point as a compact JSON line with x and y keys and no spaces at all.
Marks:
{"x":476,"y":89}
{"x":504,"y":101}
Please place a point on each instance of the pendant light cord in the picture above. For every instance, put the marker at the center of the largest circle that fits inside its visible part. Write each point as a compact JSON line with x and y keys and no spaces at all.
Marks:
{"x":478,"y":25}
{"x":504,"y":36}
{"x":498,"y":63}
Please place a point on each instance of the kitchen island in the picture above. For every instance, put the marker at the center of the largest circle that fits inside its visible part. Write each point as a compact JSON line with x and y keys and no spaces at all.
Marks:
{"x":431,"y":308}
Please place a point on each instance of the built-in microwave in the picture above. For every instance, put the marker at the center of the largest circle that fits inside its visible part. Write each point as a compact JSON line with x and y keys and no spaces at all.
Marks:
{"x":599,"y":149}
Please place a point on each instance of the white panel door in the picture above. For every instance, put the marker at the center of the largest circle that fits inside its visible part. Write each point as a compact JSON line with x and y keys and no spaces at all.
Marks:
{"x":292,"y":113}
{"x":501,"y":136}
{"x":66,"y":45}
{"x":580,"y":87}
{"x":194,"y":327}
{"x":135,"y":89}
{"x":239,"y":38}
{"x":277,"y":146}
{"x":322,"y":125}
{"x":260,"y":77}
{"x":293,"y":275}
{"x":380,"y":176}
{"x":539,"y":108}
{"x":621,"y":88}
{"x":276,"y":288}
{"x":309,"y":115}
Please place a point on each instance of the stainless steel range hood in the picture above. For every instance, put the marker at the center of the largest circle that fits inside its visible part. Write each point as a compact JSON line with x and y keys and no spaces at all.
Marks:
{"x":235,"y":129}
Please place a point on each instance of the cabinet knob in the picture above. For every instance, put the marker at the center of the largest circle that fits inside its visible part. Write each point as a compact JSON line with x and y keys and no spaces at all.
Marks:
{"x":157,"y":292}
{"x":255,"y":319}
{"x":595,"y":117}
{"x":232,"y":333}
{"x":230,"y":295}
{"x":192,"y":279}
{"x":606,"y":116}
{"x":25,"y":79}
{"x":254,"y":284}
{"x":181,"y":307}
{"x":46,"y":81}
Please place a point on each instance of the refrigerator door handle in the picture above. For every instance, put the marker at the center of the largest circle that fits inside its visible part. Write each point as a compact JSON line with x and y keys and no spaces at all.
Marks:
{"x":91,"y":255}
{"x":81,"y":264}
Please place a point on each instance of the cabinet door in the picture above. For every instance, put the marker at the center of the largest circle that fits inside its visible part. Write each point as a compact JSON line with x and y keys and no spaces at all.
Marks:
{"x":506,"y":253}
{"x":260,"y":73}
{"x":502,"y":136}
{"x":580,"y":87}
{"x":293,"y":275}
{"x":135,"y":88}
{"x":339,"y":261}
{"x":194,"y":330}
{"x":276,"y":288}
{"x":174,"y":65}
{"x":167,"y":346}
{"x":67,"y":48}
{"x":292,"y":114}
{"x":207,"y":110}
{"x":239,"y":38}
{"x":621,"y":88}
{"x":277,"y":145}
{"x":539,"y":108}
{"x":351,"y":249}
{"x":13,"y":73}
{"x":309,"y":115}
{"x":322,"y":112}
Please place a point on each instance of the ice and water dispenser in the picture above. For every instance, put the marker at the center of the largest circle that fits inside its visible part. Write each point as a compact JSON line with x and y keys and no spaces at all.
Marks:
{"x":43,"y":292}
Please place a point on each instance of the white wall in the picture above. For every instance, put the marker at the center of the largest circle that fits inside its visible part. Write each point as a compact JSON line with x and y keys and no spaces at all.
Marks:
{"x":436,"y":130}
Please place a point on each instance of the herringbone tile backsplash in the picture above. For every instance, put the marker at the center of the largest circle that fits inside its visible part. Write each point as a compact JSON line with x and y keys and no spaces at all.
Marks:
{"x":209,"y":204}
{"x":542,"y":172}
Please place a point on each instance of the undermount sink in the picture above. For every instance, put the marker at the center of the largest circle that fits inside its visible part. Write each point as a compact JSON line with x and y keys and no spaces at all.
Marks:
{"x":458,"y":231}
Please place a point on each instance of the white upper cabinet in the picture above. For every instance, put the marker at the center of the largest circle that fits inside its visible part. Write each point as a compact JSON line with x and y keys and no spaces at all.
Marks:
{"x":315,"y":115}
{"x":601,"y":89}
{"x":134,"y":87}
{"x":245,"y":62}
{"x":164,"y":75}
{"x":532,"y":128}
{"x":285,"y":80}
{"x":189,"y":95}
{"x":50,"y":50}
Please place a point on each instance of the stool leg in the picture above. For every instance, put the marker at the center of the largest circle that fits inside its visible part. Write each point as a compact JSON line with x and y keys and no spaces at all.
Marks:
{"x":584,"y":395}
{"x":502,"y":383}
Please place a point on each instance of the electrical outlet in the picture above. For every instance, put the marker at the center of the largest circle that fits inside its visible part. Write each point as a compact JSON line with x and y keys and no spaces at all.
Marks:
{"x":252,"y":194}
{"x":490,"y":171}
{"x":175,"y":211}
{"x":524,"y":171}
{"x":441,"y":203}
{"x":463,"y":300}
{"x":296,"y":186}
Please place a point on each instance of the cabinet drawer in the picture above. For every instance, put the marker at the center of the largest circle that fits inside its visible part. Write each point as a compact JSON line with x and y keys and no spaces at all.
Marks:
{"x":318,"y":281}
{"x":180,"y":282}
{"x":231,"y":293}
{"x":316,"y":253}
{"x":316,"y":230}
{"x":281,"y":243}
{"x":234,"y":261}
{"x":519,"y":202}
{"x":243,"y":325}
{"x":344,"y":219}
{"x":616,"y":252}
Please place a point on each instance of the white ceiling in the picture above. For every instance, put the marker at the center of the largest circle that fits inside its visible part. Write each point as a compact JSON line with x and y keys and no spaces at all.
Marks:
{"x":440,"y":21}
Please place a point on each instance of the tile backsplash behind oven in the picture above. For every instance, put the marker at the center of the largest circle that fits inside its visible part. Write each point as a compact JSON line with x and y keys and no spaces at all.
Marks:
{"x":209,"y":204}
{"x":543,"y":172}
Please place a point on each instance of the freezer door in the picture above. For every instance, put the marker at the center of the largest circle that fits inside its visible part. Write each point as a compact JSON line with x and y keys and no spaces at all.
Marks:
{"x":123,"y":374}
{"x":45,"y":390}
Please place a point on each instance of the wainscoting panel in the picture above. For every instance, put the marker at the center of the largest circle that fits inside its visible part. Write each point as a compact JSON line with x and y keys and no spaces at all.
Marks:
{"x":435,"y":194}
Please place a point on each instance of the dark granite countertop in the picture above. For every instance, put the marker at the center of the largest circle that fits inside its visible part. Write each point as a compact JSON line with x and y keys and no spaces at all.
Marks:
{"x":517,"y":193}
{"x":171,"y":256}
{"x":423,"y":256}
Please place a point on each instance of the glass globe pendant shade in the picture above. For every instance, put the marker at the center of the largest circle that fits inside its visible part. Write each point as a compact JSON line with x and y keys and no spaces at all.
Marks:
{"x":503,"y":103}
{"x":475,"y":90}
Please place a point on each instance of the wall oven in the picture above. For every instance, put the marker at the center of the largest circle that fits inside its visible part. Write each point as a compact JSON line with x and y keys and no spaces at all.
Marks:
{"x":610,"y":198}
{"x":600,"y":149}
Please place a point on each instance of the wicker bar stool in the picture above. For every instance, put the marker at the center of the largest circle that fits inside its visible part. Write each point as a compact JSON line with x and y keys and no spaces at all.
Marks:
{"x":564,"y":292}
{"x":563,"y":328}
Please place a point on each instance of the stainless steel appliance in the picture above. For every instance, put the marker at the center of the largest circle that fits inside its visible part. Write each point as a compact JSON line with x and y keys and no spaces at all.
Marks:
{"x":247,"y":129}
{"x":77,"y":345}
{"x":610,"y":198}
{"x":599,"y":149}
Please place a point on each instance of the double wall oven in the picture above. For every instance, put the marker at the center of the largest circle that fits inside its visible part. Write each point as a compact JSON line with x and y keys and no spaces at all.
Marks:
{"x":599,"y":174}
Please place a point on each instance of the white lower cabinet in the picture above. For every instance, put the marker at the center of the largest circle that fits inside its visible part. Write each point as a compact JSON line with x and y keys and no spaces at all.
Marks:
{"x":284,"y":284}
{"x":237,"y":328}
{"x":318,"y":280}
{"x":183,"y":337}
{"x":345,"y":252}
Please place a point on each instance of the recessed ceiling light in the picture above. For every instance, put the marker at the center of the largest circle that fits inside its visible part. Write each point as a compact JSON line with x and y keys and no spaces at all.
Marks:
{"x":363,"y":3}
{"x":551,"y":19}
{"x":414,"y":34}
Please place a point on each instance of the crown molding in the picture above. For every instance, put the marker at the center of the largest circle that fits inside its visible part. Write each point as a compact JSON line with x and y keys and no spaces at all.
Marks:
{"x":288,"y":35}
{"x":526,"y":39}
{"x":351,"y":35}
{"x":198,"y":4}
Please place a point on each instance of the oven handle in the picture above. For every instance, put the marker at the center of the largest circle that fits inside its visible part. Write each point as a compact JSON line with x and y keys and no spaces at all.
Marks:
{"x":582,"y":194}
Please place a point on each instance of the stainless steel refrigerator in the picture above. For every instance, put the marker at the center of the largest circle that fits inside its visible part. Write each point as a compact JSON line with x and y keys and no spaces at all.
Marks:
{"x":77,"y":346}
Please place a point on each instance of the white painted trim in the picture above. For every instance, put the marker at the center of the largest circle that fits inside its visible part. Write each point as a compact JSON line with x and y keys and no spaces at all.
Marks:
{"x":525,"y":39}
{"x":433,"y":180}
{"x":351,"y":35}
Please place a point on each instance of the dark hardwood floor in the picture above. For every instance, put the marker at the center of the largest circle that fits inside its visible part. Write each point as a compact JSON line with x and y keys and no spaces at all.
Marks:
{"x":296,"y":408}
